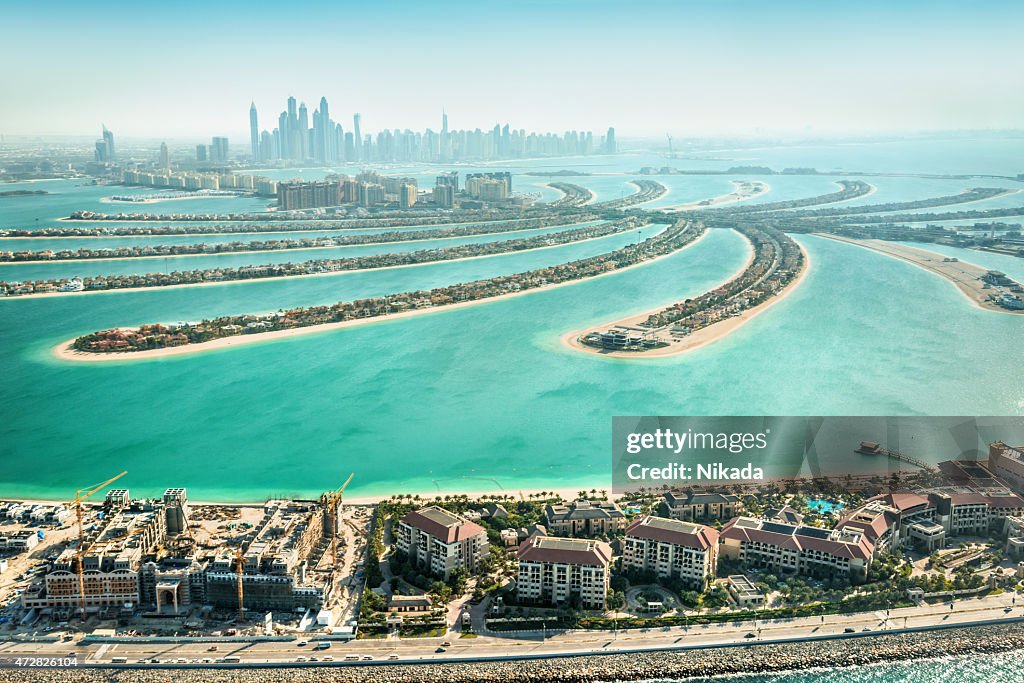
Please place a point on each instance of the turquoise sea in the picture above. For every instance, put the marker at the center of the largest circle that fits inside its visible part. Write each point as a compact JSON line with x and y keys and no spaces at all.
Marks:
{"x":486,"y":397}
{"x":1001,"y":668}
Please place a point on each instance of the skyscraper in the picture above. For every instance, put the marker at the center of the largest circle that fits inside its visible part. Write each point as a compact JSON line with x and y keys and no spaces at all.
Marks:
{"x":283,"y":152}
{"x":219,"y":150}
{"x":165,"y":160}
{"x":303,"y":132}
{"x":610,"y":147}
{"x":358,"y":136}
{"x":108,"y":139}
{"x":254,"y":131}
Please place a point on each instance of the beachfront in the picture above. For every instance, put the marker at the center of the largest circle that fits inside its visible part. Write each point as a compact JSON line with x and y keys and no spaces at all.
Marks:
{"x":969,"y":278}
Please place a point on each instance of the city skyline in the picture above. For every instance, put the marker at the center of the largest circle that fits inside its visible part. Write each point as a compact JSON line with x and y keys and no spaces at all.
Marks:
{"x":694,"y":68}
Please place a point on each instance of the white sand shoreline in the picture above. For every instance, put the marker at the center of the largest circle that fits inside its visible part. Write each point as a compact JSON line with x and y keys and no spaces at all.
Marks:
{"x":65,"y":351}
{"x":44,"y":295}
{"x":922,"y":258}
{"x":283,"y":249}
{"x":733,"y":197}
{"x":700,"y":338}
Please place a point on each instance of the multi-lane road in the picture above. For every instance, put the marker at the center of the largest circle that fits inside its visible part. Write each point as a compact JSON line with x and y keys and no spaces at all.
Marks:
{"x":983,"y":610}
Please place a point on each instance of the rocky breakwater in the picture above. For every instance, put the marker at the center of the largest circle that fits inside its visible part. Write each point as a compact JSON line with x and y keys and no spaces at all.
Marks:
{"x":848,"y":652}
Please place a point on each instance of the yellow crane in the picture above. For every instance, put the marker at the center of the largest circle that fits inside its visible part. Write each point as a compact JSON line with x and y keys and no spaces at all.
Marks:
{"x":332,"y":500}
{"x":82,"y":552}
{"x":239,"y":554}
{"x":76,"y":504}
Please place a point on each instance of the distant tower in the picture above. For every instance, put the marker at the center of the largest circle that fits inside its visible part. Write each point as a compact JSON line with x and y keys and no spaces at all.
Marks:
{"x":108,"y":140}
{"x":326,"y":151}
{"x":254,"y":131}
{"x":303,"y":135}
{"x":165,"y":160}
{"x":359,"y":140}
{"x":610,"y":146}
{"x":293,"y":129}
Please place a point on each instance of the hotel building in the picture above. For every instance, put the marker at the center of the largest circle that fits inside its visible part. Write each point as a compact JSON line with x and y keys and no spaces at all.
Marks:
{"x":564,"y":571}
{"x":440,"y":541}
{"x":672,"y":550}
{"x":584,"y":518}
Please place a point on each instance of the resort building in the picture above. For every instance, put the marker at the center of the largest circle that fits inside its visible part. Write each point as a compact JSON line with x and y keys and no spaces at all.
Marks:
{"x":672,"y":549}
{"x":584,"y":518}
{"x":695,"y":505}
{"x":1008,"y":463}
{"x":440,"y":541}
{"x":895,"y":519}
{"x":797,"y":550}
{"x":564,"y":571}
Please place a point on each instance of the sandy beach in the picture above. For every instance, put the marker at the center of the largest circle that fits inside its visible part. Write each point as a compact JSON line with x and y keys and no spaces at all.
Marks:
{"x":158,"y":200}
{"x":736,"y":195}
{"x":966,"y":276}
{"x":696,"y":340}
{"x":222,"y":283}
{"x":66,"y":351}
{"x":271,"y":251}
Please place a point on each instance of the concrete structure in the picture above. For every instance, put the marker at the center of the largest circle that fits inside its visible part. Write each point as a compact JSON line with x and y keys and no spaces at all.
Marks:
{"x":584,"y":518}
{"x":744,"y":593}
{"x":1008,"y":463}
{"x":673,"y":550}
{"x":789,"y":549}
{"x":440,"y":541}
{"x":696,"y":505}
{"x":564,"y":571}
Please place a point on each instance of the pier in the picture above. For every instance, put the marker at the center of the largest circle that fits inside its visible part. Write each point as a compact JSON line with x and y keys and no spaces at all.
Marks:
{"x":872,"y":448}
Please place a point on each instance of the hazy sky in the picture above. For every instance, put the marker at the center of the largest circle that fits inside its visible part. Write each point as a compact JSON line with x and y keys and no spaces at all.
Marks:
{"x":189,"y":69}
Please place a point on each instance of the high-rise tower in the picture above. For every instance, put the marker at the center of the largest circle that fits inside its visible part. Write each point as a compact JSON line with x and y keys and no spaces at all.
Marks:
{"x":254,"y":131}
{"x":359,"y":139}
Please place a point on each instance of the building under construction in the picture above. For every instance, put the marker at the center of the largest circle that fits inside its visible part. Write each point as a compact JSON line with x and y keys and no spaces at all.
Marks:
{"x":147,"y":556}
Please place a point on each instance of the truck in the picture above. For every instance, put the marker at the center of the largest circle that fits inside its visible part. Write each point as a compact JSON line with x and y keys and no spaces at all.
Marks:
{"x":323,"y":645}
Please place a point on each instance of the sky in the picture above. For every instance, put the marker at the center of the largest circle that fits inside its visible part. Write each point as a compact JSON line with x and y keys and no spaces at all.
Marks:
{"x":691,"y":68}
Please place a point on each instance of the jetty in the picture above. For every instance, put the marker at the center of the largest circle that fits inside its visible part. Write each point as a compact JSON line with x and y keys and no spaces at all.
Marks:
{"x":872,"y":448}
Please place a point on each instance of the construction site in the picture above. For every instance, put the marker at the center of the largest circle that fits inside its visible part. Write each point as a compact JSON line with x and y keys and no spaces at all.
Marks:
{"x":163,"y":566}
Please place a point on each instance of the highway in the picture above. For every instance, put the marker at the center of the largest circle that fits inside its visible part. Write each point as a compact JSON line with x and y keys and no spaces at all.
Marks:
{"x":415,"y":650}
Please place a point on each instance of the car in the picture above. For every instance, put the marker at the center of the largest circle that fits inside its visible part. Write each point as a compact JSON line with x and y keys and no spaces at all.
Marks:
{"x":303,"y":643}
{"x":440,"y":649}
{"x":327,"y":658}
{"x":446,"y":644}
{"x":1007,"y":609}
{"x":300,"y":659}
{"x":314,"y":659}
{"x":367,"y":658}
{"x":750,"y":635}
{"x":212,"y":648}
{"x":866,"y":628}
{"x":849,"y":630}
{"x":392,"y":657}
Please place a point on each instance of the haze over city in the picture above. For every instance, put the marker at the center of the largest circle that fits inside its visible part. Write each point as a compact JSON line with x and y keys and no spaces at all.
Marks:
{"x":689,"y":68}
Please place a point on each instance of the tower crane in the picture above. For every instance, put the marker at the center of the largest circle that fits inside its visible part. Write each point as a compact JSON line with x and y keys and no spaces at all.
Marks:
{"x":332,"y":500}
{"x":76,"y":504}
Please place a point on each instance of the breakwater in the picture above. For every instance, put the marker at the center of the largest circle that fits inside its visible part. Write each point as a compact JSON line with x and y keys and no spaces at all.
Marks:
{"x":682,"y":664}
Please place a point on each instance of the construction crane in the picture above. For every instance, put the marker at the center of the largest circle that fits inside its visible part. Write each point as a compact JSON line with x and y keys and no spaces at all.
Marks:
{"x":239,"y":554}
{"x":81,"y":495}
{"x":332,"y":500}
{"x":82,"y":552}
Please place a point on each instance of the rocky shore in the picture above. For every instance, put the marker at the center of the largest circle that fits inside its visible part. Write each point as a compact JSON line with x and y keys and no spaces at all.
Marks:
{"x":849,"y":652}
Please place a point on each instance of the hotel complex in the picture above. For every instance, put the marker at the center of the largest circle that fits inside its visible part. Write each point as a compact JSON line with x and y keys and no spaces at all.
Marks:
{"x":564,"y":571}
{"x":440,"y":541}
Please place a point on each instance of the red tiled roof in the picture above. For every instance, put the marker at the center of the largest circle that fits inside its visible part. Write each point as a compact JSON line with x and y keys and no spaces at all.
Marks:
{"x":565,"y":551}
{"x":674,"y":532}
{"x":442,"y":525}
